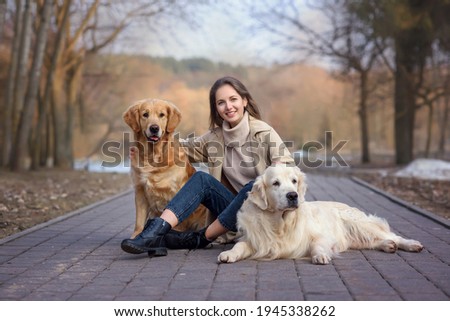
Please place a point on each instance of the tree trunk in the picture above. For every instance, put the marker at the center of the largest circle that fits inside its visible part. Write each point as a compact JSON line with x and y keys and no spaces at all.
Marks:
{"x":73,"y":86}
{"x":9,"y":99}
{"x":58,"y":119}
{"x":429,"y":129}
{"x":47,"y":151}
{"x":20,"y":147}
{"x":404,"y":100}
{"x":365,"y":154}
{"x":38,"y":138}
{"x":22,"y":67}
{"x":2,"y":17}
{"x":445,"y":117}
{"x":44,"y":106}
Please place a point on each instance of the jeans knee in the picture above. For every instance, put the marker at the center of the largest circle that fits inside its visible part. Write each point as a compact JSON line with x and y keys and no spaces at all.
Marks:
{"x":200,"y":176}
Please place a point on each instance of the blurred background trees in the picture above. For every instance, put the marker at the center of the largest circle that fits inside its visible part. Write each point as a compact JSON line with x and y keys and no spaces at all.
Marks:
{"x":364,"y":39}
{"x":39,"y":109}
{"x":375,"y":73}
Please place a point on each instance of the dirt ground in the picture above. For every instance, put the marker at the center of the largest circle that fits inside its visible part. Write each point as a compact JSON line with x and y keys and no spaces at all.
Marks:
{"x":431,"y":195}
{"x":30,"y":198}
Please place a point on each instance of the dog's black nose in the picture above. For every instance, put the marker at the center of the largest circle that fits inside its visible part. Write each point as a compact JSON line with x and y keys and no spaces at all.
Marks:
{"x":292,"y":196}
{"x":154,"y":129}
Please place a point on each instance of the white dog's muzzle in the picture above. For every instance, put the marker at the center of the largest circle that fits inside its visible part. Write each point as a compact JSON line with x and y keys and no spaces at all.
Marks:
{"x":292,"y":199}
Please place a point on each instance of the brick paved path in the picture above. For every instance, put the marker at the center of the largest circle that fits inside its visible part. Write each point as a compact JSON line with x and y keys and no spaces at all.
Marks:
{"x":78,"y":257}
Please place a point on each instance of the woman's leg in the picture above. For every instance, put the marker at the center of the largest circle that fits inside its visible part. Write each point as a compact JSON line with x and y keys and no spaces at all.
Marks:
{"x":214,"y":230}
{"x":226,"y":221}
{"x":201,"y":188}
{"x":228,"y":217}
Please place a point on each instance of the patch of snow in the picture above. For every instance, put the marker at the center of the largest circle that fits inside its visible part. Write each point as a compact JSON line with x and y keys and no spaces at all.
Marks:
{"x":427,"y":169}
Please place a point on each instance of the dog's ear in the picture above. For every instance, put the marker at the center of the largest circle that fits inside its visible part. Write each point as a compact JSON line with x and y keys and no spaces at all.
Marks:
{"x":174,"y":117}
{"x":301,"y":188}
{"x":258,"y":194}
{"x":131,"y":117}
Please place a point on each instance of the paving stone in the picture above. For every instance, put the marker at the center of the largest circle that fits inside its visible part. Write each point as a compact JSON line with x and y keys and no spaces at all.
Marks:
{"x":79,"y":258}
{"x":279,"y":295}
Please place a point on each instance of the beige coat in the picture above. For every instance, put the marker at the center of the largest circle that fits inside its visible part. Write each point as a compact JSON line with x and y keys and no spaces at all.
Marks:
{"x":265,"y":144}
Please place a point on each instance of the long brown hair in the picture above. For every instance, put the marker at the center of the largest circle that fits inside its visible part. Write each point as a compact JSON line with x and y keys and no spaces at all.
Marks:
{"x":214,"y":117}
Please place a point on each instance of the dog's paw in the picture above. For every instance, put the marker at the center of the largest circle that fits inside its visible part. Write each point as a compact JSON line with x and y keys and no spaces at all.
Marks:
{"x":413,"y":246}
{"x":227,"y":257}
{"x":321,"y":259}
{"x":221,"y":240}
{"x":226,"y":238}
{"x":388,"y":246}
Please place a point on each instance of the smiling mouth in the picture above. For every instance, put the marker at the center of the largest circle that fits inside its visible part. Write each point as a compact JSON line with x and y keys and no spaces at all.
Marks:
{"x":152,"y":138}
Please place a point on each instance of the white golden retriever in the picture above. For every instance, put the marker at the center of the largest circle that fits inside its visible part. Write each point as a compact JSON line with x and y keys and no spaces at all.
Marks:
{"x":277,"y":223}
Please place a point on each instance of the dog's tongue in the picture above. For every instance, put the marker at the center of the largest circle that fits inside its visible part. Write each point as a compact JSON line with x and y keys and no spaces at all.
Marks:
{"x":153,"y":138}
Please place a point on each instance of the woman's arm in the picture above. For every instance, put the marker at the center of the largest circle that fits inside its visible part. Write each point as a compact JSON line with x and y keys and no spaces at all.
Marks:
{"x":277,"y":151}
{"x":195,"y":148}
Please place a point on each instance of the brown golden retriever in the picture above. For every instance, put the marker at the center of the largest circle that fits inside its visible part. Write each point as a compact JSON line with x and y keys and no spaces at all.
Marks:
{"x":159,"y":166}
{"x":277,"y":223}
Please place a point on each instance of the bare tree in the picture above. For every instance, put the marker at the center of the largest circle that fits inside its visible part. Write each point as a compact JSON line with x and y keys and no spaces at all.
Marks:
{"x":444,"y":122}
{"x":22,"y":67}
{"x":345,"y":41}
{"x":2,"y":17}
{"x":9,"y":95}
{"x":20,"y":146}
{"x":92,"y":30}
{"x":65,"y":58}
{"x":40,"y":139}
{"x":79,"y":29}
{"x":405,"y":30}
{"x":429,"y":94}
{"x":413,"y":27}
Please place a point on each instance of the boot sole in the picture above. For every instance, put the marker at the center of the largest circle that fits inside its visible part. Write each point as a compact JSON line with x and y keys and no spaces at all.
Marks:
{"x":130,"y":248}
{"x":157,"y":251}
{"x":133,"y":249}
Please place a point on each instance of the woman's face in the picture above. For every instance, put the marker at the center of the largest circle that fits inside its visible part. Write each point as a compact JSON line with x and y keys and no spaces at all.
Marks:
{"x":230,"y":105}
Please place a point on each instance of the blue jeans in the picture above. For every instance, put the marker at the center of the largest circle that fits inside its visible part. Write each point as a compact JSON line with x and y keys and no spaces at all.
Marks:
{"x":203,"y":188}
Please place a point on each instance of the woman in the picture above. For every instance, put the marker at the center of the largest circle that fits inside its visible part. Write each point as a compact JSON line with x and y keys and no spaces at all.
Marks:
{"x":238,"y":147}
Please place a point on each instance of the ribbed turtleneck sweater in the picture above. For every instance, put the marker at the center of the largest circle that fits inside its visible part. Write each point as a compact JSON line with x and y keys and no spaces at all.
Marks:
{"x":237,"y":166}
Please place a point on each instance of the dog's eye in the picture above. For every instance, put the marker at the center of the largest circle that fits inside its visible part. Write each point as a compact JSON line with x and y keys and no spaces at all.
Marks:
{"x":294,"y":181}
{"x":145,"y":115}
{"x":161,"y":115}
{"x":276,"y":183}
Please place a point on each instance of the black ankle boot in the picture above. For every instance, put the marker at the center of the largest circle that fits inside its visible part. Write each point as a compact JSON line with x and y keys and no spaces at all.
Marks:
{"x":150,"y":240}
{"x":186,"y":240}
